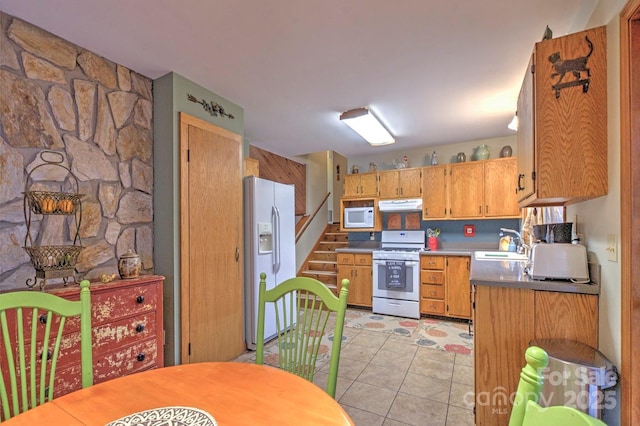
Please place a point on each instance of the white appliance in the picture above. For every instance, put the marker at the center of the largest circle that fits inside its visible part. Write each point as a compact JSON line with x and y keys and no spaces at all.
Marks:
{"x":559,"y":261}
{"x":405,"y":205}
{"x":269,"y":247}
{"x":358,"y":217}
{"x":396,"y":274}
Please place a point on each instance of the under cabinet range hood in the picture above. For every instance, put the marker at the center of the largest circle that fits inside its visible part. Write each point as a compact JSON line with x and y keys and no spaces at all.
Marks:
{"x":404,"y":205}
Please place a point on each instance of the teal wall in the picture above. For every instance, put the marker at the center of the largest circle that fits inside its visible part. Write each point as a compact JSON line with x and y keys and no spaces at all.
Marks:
{"x":169,"y":99}
{"x":452,"y":232}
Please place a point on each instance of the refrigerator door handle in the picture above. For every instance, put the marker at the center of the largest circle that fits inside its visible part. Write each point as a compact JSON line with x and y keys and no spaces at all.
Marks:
{"x":275,"y":213}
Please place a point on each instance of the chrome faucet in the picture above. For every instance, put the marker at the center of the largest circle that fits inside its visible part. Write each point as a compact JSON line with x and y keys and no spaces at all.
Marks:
{"x":521,"y":247}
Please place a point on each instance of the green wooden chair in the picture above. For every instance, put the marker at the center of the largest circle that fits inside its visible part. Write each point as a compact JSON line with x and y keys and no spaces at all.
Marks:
{"x":299,"y":336}
{"x":527,"y":412}
{"x":31,"y":368}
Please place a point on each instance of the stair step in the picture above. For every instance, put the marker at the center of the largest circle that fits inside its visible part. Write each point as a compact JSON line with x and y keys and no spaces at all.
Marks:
{"x":320,"y":273}
{"x":322,"y":265}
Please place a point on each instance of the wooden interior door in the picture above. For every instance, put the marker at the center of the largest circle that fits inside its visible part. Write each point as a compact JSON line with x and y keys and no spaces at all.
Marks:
{"x":629,"y":200}
{"x":211,"y":281}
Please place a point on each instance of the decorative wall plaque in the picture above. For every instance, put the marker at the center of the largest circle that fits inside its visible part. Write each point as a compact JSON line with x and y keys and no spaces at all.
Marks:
{"x":211,"y":107}
{"x":576,"y":67}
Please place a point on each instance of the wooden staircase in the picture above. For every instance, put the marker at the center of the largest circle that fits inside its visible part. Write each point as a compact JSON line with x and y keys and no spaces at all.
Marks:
{"x":322,"y":263}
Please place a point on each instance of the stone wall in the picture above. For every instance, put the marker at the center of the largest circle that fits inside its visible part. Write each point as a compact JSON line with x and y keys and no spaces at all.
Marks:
{"x":98,"y":115}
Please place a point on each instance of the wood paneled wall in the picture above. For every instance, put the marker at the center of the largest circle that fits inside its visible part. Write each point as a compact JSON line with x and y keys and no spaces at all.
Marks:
{"x":280,"y":169}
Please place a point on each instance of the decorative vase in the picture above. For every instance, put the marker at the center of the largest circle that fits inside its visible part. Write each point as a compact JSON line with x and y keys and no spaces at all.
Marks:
{"x":462,"y":157}
{"x":129,"y":265}
{"x":506,"y":151}
{"x":482,"y":152}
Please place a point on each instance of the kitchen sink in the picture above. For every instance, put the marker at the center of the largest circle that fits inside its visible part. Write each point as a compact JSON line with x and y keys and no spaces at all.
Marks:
{"x":500,"y":255}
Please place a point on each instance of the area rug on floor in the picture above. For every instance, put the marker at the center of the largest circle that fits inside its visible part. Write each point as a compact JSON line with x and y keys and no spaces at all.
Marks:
{"x":449,"y":336}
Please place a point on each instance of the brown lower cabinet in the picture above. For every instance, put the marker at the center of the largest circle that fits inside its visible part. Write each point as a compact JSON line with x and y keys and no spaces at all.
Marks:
{"x":127,"y":333}
{"x":505,"y":321}
{"x":356,"y":267}
{"x":444,"y":286}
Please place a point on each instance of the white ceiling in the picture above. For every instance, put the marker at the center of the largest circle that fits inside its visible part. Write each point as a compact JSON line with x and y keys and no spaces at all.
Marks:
{"x":434,"y":71}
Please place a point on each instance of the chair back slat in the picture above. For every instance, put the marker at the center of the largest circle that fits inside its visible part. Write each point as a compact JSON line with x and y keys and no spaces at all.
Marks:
{"x":527,"y":412}
{"x":31,"y":353}
{"x":303,"y":307}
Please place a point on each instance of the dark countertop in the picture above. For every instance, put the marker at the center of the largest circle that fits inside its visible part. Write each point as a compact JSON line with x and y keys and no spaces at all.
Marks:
{"x":511,"y":274}
{"x":370,"y":246}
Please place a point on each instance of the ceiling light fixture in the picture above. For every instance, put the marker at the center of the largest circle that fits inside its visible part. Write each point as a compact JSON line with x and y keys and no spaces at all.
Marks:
{"x":514,"y":122}
{"x":364,"y":123}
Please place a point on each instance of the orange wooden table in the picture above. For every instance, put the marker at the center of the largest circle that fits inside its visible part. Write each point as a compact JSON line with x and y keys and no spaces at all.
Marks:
{"x":232,"y":393}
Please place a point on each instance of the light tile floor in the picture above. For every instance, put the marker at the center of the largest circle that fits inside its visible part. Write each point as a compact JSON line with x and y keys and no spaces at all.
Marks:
{"x":386,"y":379}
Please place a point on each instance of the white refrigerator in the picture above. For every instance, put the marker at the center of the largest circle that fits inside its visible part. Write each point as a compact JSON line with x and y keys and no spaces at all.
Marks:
{"x":269,"y":235}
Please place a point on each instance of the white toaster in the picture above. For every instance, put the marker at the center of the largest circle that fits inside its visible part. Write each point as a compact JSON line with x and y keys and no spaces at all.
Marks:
{"x":558,"y":261}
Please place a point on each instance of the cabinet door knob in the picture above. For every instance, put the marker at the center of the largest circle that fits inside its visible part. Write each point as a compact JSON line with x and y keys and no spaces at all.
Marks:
{"x":139,"y":328}
{"x":140,"y":357}
{"x":140,"y":299}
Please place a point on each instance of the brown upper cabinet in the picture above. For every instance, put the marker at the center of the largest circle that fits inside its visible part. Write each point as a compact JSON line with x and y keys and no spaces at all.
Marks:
{"x":401,"y":183}
{"x":483,"y":189}
{"x":562,"y":114}
{"x":466,"y":190}
{"x":361,"y":185}
{"x":434,"y":192}
{"x":500,"y":179}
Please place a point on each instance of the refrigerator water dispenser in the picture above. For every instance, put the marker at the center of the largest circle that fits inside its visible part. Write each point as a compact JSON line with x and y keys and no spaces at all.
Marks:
{"x":265,"y":237}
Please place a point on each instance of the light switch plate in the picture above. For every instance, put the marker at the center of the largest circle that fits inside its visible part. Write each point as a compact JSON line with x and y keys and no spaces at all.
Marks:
{"x":612,"y":247}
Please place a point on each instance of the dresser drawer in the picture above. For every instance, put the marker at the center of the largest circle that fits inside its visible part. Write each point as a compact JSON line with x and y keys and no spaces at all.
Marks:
{"x":432,"y":262}
{"x":431,"y":277}
{"x":128,"y":301}
{"x":105,"y":337}
{"x":432,"y":291}
{"x":124,"y":361}
{"x":124,"y":332}
{"x":432,"y":306}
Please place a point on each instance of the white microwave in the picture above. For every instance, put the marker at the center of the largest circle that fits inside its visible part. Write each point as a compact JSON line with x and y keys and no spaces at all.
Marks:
{"x":358,"y":217}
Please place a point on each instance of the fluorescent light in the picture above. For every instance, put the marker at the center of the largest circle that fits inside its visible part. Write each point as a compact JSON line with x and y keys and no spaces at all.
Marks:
{"x":364,"y":123}
{"x":514,"y":123}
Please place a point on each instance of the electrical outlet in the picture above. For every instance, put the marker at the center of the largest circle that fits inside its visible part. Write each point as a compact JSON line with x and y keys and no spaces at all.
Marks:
{"x":612,"y":247}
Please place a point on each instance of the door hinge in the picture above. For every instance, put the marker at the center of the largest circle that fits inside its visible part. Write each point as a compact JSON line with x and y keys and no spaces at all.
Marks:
{"x":533,"y":68}
{"x":189,"y":349}
{"x":188,"y":155}
{"x":533,"y":175}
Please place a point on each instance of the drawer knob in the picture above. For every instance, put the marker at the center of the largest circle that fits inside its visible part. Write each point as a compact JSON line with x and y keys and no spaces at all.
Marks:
{"x":140,"y":357}
{"x":47,"y":355}
{"x":43,"y":319}
{"x":139,"y":328}
{"x":140,"y":299}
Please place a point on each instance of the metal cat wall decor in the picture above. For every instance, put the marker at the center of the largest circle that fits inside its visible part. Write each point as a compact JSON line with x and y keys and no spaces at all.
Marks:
{"x":577,"y":67}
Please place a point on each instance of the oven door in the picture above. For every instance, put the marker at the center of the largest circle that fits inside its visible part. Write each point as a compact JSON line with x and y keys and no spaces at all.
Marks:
{"x":396,"y":279}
